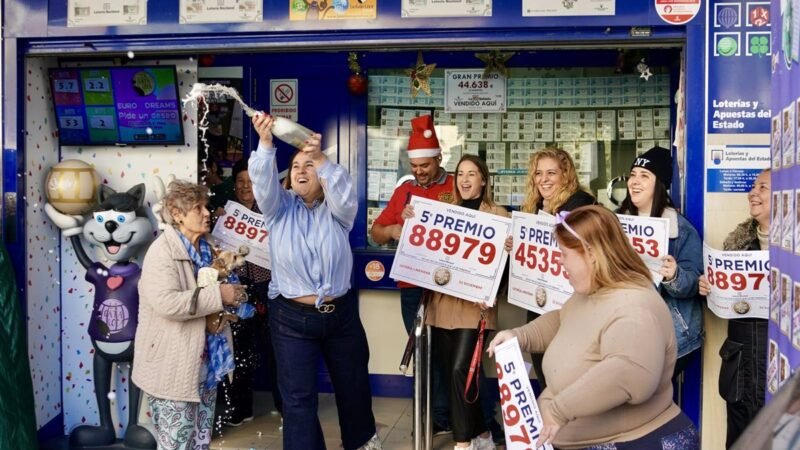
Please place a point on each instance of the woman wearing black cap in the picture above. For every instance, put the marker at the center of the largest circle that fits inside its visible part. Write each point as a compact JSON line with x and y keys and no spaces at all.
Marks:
{"x":650,"y":176}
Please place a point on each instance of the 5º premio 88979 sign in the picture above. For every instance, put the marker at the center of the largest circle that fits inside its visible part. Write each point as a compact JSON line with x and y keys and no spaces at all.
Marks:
{"x":453,"y":250}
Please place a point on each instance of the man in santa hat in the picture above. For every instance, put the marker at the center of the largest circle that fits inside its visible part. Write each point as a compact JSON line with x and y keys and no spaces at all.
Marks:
{"x":430,"y":181}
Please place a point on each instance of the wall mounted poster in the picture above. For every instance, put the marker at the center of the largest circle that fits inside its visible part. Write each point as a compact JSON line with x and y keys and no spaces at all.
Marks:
{"x":468,"y":90}
{"x":534,"y":8}
{"x":87,"y":13}
{"x":677,"y":12}
{"x":221,"y":11}
{"x":446,"y":8}
{"x":332,"y":10}
{"x":784,"y":83}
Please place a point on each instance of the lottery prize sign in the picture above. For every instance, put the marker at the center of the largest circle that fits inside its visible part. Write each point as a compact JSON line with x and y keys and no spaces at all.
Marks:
{"x":522,"y":419}
{"x":537,"y":281}
{"x":453,"y":250}
{"x":739,"y":283}
{"x":240,"y":226}
{"x":649,"y":237}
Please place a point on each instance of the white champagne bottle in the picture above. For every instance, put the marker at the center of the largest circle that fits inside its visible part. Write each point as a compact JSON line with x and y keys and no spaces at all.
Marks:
{"x":284,"y":129}
{"x":290,"y":131}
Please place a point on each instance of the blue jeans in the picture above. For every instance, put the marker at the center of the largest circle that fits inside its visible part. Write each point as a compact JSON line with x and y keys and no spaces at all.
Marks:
{"x":300,"y":335}
{"x":677,"y":434}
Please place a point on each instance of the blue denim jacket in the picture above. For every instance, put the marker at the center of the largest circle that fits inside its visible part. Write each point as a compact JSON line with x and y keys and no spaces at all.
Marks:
{"x":680,"y":294}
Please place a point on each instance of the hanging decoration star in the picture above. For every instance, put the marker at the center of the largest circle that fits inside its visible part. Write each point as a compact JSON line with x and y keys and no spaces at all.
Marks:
{"x":644,"y":70}
{"x":420,"y":76}
{"x":495,"y":62}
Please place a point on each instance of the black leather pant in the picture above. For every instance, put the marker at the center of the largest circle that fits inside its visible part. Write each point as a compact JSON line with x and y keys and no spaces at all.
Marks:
{"x":454,"y":349}
{"x":743,"y":375}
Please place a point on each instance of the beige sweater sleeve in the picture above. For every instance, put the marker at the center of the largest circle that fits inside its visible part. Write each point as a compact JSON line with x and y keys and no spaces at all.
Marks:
{"x":535,"y":336}
{"x":629,"y":372}
{"x":160,"y":289}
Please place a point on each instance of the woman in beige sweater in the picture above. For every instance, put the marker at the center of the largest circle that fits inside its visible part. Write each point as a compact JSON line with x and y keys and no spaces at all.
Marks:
{"x":170,"y":350}
{"x":610,"y":351}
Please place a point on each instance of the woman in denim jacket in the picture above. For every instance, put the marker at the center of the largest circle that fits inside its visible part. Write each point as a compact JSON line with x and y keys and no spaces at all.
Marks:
{"x":650,"y":175}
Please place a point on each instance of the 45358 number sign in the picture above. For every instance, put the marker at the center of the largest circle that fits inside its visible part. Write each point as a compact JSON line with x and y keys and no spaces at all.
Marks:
{"x":537,"y":279}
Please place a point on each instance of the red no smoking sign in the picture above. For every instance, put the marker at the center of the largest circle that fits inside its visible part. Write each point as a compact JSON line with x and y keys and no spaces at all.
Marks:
{"x":283,"y":93}
{"x":283,"y":98}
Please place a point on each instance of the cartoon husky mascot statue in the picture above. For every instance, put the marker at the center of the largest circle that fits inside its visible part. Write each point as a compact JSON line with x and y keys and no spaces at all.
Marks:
{"x":119,"y":227}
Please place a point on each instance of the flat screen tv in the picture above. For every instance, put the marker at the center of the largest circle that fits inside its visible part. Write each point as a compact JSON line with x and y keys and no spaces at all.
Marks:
{"x":117,"y":105}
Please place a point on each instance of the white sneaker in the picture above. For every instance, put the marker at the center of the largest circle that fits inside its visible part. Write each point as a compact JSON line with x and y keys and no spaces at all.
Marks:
{"x":480,"y":443}
{"x":373,"y":444}
{"x":471,"y":447}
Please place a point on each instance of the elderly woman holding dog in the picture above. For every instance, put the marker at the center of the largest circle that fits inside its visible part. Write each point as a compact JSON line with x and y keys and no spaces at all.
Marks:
{"x":170,"y":351}
{"x":312,"y":311}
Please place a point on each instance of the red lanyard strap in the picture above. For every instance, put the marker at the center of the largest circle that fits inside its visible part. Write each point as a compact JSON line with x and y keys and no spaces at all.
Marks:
{"x":475,"y":364}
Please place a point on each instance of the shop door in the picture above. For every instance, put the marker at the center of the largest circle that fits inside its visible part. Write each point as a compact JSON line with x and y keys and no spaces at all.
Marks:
{"x":320,"y":95}
{"x":315,"y":88}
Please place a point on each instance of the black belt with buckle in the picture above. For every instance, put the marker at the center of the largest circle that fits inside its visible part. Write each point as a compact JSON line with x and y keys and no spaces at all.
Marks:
{"x":324,"y":308}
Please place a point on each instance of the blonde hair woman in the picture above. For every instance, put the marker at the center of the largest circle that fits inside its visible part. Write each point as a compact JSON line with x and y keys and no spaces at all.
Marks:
{"x":553,"y":187}
{"x":610,"y":351}
{"x":553,"y":184}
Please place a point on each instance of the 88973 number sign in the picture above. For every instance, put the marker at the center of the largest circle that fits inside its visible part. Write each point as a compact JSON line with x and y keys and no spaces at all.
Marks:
{"x":522,"y":419}
{"x":241,"y":226}
{"x":251,"y":232}
{"x":453,"y":250}
{"x":738,"y":283}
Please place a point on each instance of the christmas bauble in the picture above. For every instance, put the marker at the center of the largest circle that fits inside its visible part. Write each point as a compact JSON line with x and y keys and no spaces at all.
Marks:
{"x":357,"y":84}
{"x":71,"y":186}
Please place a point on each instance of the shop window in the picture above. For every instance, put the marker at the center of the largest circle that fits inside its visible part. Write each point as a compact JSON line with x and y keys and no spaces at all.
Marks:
{"x":603,"y":119}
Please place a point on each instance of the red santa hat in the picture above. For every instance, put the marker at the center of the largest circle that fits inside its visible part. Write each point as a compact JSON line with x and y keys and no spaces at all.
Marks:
{"x":423,"y":142}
